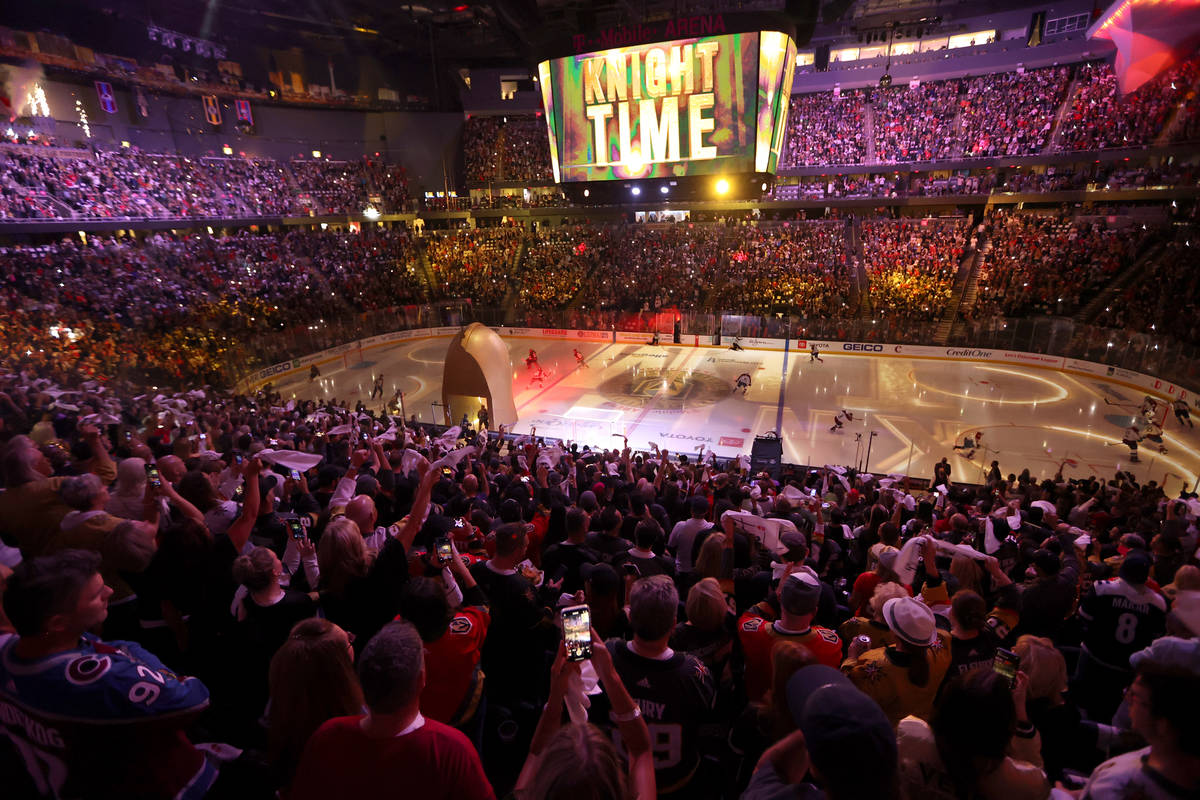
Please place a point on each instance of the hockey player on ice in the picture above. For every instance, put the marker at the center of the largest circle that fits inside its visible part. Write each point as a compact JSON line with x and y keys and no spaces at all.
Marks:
{"x":841,"y":419}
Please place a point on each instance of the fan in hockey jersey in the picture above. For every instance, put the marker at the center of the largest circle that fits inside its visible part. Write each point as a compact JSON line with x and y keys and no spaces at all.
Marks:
{"x":1122,"y":616}
{"x":799,"y":594}
{"x":674,"y":691}
{"x":87,"y":717}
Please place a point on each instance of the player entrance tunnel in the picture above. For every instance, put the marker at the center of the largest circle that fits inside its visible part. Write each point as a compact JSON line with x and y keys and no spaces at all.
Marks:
{"x":478,"y":372}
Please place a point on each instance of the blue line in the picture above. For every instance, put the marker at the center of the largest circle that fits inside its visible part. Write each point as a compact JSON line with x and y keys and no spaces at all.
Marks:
{"x":782,"y":389}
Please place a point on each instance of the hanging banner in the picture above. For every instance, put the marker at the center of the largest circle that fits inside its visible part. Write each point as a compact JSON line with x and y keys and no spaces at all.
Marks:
{"x":244,"y":114}
{"x":143,"y":105}
{"x":108,"y":100}
{"x":212,"y":109}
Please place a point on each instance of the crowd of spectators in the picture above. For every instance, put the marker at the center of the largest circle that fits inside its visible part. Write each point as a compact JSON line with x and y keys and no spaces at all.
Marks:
{"x":555,"y":265}
{"x":476,"y":264}
{"x":128,"y":184}
{"x":1099,"y":117}
{"x":256,"y":596}
{"x":912,"y":265}
{"x":1164,"y":300}
{"x":824,"y":129}
{"x":1050,"y":264}
{"x":916,"y":123}
{"x":1011,"y":113}
{"x":509,"y":148}
{"x":645,"y":268}
{"x":182,"y":306}
{"x":797,"y":268}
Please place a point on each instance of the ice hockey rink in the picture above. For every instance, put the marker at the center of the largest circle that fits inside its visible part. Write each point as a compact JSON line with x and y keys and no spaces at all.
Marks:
{"x":909,"y":412}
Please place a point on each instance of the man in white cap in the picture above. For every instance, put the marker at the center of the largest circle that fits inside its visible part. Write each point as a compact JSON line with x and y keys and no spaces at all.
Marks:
{"x":903,"y":677}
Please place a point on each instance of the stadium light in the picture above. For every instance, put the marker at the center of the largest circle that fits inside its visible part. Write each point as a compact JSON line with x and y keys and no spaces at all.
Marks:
{"x":722,"y":186}
{"x":587,"y":192}
{"x":663,"y":189}
{"x":371,"y":213}
{"x":636,"y":191}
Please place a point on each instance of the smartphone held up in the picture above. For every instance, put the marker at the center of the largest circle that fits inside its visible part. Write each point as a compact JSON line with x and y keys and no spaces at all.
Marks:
{"x":577,"y":632}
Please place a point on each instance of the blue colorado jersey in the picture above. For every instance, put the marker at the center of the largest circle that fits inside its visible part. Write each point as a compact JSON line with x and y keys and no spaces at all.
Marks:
{"x":104,"y":719}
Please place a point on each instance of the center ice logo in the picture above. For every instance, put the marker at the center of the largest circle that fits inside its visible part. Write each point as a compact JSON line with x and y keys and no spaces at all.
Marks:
{"x":670,"y":389}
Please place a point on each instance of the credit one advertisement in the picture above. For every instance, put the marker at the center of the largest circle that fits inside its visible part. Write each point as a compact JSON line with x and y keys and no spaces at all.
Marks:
{"x":700,"y":106}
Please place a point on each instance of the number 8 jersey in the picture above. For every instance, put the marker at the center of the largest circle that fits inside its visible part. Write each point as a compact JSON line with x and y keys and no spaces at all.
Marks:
{"x":106,"y":719}
{"x":1122,"y":618}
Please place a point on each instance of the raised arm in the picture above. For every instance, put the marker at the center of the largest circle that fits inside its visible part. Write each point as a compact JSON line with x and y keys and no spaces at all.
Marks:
{"x":239,"y":531}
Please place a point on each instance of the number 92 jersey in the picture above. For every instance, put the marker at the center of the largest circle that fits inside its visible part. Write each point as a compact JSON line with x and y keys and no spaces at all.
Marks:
{"x":104,"y":719}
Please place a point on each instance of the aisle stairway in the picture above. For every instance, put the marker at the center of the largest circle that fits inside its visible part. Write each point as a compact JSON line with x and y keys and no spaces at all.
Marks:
{"x":966,"y":289}
{"x":855,"y":253}
{"x":1064,"y":110}
{"x":509,"y":303}
{"x":869,"y":132}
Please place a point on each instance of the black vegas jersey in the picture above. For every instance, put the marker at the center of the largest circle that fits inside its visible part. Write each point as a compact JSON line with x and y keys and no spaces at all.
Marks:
{"x":1121,"y":620}
{"x":676,"y":697}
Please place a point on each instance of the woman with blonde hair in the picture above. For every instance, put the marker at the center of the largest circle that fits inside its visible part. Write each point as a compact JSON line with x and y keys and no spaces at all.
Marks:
{"x":708,"y":633}
{"x":127,"y":498}
{"x":968,"y":574}
{"x":1049,"y":705}
{"x":312,"y":680}
{"x":266,"y":612}
{"x":344,"y":563}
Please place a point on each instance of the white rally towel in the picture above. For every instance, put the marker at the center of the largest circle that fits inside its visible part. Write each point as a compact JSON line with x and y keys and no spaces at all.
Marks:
{"x":100,"y":419}
{"x":339,"y":430}
{"x":450,"y":437}
{"x":768,"y":531}
{"x":550,"y":457}
{"x":292,"y":459}
{"x":452,"y":458}
{"x":409,"y":461}
{"x":906,"y":562}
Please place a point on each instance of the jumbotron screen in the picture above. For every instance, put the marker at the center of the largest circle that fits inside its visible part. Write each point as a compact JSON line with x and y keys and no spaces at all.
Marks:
{"x":700,"y":106}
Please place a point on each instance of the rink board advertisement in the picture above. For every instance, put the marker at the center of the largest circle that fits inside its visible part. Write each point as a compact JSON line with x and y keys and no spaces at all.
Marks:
{"x":703,"y":105}
{"x":1136,"y":380}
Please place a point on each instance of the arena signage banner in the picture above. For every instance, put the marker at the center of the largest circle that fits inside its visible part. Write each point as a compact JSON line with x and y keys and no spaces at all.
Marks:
{"x":693,"y":106}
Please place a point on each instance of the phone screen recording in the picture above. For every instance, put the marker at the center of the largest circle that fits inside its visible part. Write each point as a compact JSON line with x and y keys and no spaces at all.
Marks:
{"x":153,"y":477}
{"x":1006,"y":663}
{"x":577,"y":632}
{"x":296,"y":529}
{"x":444,"y":551}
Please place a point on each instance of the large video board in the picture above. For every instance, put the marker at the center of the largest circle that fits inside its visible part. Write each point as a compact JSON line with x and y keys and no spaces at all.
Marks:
{"x":698,"y":106}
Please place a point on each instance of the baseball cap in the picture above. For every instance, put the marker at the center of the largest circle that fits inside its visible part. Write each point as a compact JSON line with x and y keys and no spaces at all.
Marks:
{"x":911,"y":620}
{"x":888,"y":556}
{"x":1136,"y":567}
{"x":1169,"y":655}
{"x":793,"y":543}
{"x":587,"y":501}
{"x":843,"y":729}
{"x":800,"y":592}
{"x":366,"y":484}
